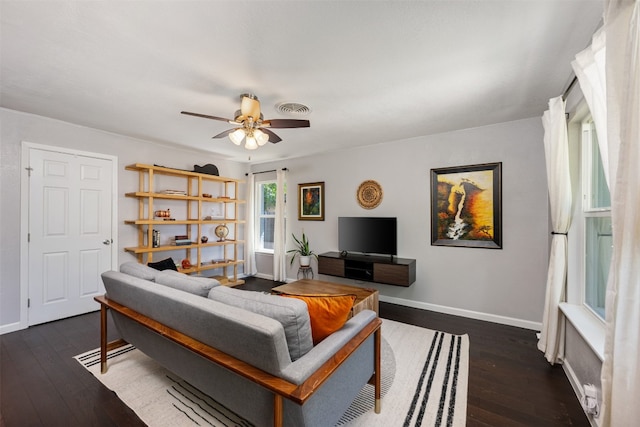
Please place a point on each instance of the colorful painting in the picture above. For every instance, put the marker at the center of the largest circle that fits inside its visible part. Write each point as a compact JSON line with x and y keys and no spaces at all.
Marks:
{"x":311,"y":201}
{"x":466,"y":206}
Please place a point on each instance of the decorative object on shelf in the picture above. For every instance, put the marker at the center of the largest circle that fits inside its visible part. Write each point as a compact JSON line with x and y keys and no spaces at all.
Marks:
{"x":369,"y":194}
{"x":163,"y":213}
{"x":221,"y":232}
{"x":204,"y":239}
{"x":302,"y":250}
{"x":182,"y":240}
{"x":156,"y":239}
{"x":311,"y":201}
{"x":209,"y":169}
{"x":466,"y":206}
{"x":207,"y":195}
{"x":174,"y":192}
{"x":186,"y":264}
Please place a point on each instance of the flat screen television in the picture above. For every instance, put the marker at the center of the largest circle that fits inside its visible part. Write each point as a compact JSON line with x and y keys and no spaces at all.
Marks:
{"x":368,"y":235}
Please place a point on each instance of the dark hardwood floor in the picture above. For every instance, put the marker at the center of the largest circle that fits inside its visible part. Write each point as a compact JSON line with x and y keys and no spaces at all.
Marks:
{"x":510,"y":382}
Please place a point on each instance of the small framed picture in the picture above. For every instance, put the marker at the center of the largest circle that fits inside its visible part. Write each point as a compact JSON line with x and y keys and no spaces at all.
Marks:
{"x":466,"y":206}
{"x":311,"y":201}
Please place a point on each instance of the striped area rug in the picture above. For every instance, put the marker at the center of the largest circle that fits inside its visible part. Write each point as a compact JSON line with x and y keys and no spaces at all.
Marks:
{"x":424,"y":383}
{"x":429,"y":386}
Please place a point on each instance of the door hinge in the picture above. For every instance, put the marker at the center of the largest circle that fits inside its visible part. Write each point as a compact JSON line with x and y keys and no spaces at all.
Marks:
{"x":29,"y":170}
{"x":28,"y":302}
{"x":28,"y":237}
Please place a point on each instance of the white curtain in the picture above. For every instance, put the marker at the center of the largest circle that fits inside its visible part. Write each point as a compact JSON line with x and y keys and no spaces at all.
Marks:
{"x":589,"y":67}
{"x":279,"y":232}
{"x":250,"y":267}
{"x":556,"y":146}
{"x":620,"y":370}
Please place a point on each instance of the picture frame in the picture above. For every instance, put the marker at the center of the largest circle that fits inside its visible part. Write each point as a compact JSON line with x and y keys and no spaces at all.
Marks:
{"x":466,"y":206}
{"x":311,"y":201}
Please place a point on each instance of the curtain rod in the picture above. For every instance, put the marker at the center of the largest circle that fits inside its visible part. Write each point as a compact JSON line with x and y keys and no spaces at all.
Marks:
{"x":571,"y":85}
{"x":272,"y":170}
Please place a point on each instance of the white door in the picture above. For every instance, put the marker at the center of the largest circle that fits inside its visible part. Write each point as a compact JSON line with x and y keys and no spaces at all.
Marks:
{"x":70,"y":233}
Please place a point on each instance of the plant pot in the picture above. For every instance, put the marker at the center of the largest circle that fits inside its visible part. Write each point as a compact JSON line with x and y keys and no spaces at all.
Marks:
{"x":305,"y":261}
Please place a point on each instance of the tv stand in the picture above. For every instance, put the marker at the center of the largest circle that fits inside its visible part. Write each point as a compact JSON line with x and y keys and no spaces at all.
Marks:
{"x":389,"y":270}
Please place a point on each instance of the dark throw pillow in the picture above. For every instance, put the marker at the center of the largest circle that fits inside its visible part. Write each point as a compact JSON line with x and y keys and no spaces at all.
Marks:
{"x":165,"y":264}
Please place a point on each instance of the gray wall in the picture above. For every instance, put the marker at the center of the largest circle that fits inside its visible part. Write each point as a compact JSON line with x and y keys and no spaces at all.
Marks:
{"x":506,"y":285}
{"x":18,"y":127}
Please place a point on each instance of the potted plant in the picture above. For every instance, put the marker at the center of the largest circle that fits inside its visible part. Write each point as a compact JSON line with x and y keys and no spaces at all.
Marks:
{"x":302,"y":250}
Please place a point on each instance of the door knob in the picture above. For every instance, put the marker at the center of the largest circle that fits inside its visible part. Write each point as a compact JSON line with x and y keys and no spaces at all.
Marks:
{"x":106,"y":242}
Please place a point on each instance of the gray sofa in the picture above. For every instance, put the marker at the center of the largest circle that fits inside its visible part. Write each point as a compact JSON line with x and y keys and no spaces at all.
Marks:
{"x":250,"y":351}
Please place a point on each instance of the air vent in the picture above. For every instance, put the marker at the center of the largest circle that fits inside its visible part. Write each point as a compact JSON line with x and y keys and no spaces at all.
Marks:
{"x":292,"y":108}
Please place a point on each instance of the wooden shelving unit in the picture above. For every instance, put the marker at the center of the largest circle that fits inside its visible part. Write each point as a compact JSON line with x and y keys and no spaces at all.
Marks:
{"x":192,"y":213}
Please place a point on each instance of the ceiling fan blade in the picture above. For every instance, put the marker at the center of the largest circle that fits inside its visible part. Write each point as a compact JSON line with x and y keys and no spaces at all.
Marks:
{"x":272,"y":136}
{"x":225,"y":133}
{"x":250,"y":106}
{"x":287,"y":123}
{"x":207,"y":116}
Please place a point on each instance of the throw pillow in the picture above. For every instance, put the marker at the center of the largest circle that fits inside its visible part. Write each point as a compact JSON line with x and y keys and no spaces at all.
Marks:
{"x":328,"y":313}
{"x":138,"y":270}
{"x":293,"y":315}
{"x":194,"y":285}
{"x":165,"y":264}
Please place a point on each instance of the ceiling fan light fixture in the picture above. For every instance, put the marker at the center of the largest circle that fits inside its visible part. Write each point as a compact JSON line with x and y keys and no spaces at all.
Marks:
{"x":261,"y":137}
{"x":250,"y":125}
{"x":237,"y":136}
{"x":251,"y":143}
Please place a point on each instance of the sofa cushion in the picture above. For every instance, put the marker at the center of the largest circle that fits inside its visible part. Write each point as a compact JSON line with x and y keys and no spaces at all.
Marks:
{"x":165,"y":264}
{"x":292,"y":314}
{"x":138,"y":270}
{"x":194,"y":285}
{"x":328,"y":313}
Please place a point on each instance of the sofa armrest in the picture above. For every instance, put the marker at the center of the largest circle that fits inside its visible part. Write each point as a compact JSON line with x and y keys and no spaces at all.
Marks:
{"x":300,"y":370}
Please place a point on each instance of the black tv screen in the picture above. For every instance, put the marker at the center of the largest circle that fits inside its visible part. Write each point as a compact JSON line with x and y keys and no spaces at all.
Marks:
{"x":368,"y":235}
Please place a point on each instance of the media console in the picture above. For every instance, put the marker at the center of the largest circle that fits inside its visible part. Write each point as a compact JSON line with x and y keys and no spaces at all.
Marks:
{"x":379,"y":269}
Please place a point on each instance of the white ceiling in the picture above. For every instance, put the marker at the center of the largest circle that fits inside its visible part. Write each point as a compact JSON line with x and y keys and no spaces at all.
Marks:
{"x":371,"y":71}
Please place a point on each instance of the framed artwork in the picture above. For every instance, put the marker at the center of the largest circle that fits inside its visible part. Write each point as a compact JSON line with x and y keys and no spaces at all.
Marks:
{"x":311,"y":201}
{"x":466,"y":206}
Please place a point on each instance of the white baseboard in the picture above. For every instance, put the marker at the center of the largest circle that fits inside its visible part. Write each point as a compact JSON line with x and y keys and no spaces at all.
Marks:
{"x":270,"y":277}
{"x":526,"y":324}
{"x":11,"y":327}
{"x":510,"y":321}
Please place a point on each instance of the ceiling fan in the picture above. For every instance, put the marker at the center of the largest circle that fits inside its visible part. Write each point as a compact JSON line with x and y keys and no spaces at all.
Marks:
{"x":251,"y":124}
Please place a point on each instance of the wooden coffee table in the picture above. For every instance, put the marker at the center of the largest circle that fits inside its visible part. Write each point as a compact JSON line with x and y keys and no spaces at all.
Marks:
{"x":366,"y":298}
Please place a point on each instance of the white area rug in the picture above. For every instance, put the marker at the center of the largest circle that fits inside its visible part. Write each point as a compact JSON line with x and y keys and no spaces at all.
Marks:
{"x":424,"y":383}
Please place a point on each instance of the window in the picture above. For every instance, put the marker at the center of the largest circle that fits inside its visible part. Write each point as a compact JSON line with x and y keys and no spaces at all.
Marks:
{"x":596,"y":214}
{"x":265,"y":215}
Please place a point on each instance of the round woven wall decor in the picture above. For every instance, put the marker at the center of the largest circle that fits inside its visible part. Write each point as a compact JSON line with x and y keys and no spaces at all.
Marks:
{"x":369,"y":194}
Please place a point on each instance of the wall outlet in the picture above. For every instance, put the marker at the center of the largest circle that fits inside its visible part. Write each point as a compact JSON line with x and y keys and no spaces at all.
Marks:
{"x":590,"y":400}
